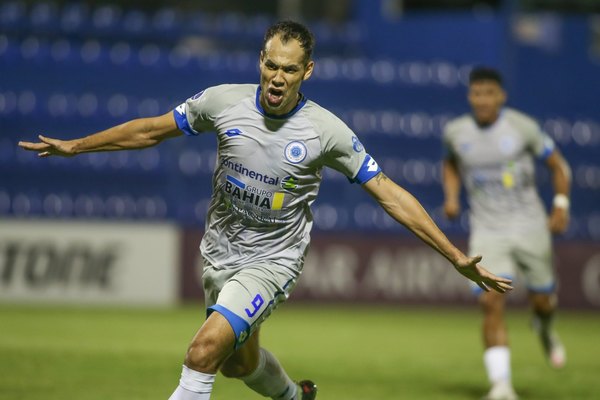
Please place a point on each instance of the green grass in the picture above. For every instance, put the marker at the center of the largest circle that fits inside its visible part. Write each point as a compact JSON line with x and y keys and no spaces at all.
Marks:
{"x":352,"y":353}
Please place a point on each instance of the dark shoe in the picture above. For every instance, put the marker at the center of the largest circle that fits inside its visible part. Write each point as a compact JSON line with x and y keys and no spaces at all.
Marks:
{"x":308,"y":390}
{"x":553,"y":348}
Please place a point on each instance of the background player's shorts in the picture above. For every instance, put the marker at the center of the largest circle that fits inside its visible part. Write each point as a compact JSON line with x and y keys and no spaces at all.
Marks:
{"x":529,"y":253}
{"x":246,"y":296}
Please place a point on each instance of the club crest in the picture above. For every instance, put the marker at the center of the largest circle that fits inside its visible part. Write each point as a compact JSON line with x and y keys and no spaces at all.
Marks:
{"x":357,"y":145}
{"x":295,"y":152}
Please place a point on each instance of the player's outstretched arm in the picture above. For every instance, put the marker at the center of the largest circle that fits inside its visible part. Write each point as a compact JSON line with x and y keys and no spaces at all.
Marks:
{"x":407,"y":210}
{"x":561,"y":181}
{"x":134,"y":134}
{"x":451,"y":183}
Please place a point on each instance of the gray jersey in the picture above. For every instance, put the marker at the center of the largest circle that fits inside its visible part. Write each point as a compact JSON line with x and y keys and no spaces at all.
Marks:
{"x":267,"y":174}
{"x":496,"y":164}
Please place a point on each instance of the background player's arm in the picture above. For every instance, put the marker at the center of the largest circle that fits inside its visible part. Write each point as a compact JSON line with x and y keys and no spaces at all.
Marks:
{"x":407,"y":210}
{"x":561,"y":181}
{"x":134,"y":134}
{"x":451,"y":182}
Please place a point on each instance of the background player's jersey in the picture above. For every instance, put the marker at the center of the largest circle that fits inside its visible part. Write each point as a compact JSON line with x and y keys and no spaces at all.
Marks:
{"x":267,"y":173}
{"x":497,"y":167}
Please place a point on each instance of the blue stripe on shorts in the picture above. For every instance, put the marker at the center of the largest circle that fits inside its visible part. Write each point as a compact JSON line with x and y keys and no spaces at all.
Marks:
{"x":239,"y":325}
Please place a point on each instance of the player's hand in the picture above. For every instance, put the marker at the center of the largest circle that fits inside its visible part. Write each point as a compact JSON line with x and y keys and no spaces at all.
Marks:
{"x":50,"y":147}
{"x":559,"y":220}
{"x":482,"y":277}
{"x":451,"y":209}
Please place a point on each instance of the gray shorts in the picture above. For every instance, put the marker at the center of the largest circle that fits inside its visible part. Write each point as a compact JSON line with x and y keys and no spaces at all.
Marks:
{"x":246,"y":296}
{"x":530,"y":255}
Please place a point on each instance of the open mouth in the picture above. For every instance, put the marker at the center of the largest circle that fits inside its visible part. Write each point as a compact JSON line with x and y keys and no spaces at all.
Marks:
{"x":274,"y":96}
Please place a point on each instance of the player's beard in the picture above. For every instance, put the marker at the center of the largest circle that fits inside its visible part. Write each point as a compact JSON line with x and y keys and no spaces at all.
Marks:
{"x":486,"y":116}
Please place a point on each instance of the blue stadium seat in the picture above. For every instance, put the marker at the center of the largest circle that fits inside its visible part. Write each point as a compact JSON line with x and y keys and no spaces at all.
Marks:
{"x":150,"y":55}
{"x":26,"y":204}
{"x":151,"y":207}
{"x":12,"y":15}
{"x":135,"y":23}
{"x":88,"y":206}
{"x":75,"y":17}
{"x":167,"y":21}
{"x":43,"y":17}
{"x":57,"y":205}
{"x":8,"y":103}
{"x":62,"y":50}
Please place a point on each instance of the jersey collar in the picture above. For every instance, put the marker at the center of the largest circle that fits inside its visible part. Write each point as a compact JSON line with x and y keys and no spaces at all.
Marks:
{"x":488,"y":128}
{"x":300,"y":104}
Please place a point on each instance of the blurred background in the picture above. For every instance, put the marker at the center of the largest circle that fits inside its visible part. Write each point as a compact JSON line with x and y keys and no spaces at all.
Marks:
{"x":124,"y":227}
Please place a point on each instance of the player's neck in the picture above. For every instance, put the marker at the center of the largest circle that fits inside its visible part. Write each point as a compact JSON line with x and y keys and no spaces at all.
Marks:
{"x":487,"y":123}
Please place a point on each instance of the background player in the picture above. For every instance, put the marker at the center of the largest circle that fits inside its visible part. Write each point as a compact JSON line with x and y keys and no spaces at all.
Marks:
{"x":492,"y":152}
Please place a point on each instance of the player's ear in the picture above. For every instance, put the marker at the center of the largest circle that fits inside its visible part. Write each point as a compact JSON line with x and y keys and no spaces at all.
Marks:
{"x":309,"y":70}
{"x":503,"y":96}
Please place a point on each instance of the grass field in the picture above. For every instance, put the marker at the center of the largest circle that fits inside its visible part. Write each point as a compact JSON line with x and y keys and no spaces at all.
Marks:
{"x":63,"y":353}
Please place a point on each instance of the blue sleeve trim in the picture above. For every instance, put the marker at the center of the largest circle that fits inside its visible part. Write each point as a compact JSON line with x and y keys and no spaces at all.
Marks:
{"x":548,"y":149}
{"x":546,"y":153}
{"x":368,"y":170}
{"x":239,"y":325}
{"x":182,"y":122}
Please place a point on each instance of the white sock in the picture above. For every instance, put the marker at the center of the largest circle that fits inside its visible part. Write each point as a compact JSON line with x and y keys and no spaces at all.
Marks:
{"x":497,"y":364}
{"x":193,"y":385}
{"x":270,"y":380}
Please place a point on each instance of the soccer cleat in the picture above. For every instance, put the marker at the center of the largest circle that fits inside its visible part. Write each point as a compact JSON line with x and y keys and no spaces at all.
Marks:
{"x":553,"y":348}
{"x":501,"y":391}
{"x":308,"y":390}
{"x":557,"y":356}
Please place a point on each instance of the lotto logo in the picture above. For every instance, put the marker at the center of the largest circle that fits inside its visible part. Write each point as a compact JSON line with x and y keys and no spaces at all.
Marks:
{"x":233,"y":132}
{"x":372,"y":165}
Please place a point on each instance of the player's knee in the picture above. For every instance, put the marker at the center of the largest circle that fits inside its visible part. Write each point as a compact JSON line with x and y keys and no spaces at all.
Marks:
{"x":543,"y":303}
{"x":203,"y":356}
{"x":492,"y":303}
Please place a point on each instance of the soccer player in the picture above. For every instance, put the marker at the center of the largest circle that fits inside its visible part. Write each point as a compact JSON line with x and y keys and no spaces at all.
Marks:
{"x":492,"y":151}
{"x":272,"y":146}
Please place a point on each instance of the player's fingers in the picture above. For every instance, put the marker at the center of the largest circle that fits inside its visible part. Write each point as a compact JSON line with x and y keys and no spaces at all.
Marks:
{"x":503,"y":280}
{"x":498,"y":289}
{"x":46,"y":140}
{"x":503,"y":287}
{"x":33,"y":146}
{"x":25,"y":145}
{"x":493,"y":278}
{"x":483,"y":286}
{"x":497,"y":286}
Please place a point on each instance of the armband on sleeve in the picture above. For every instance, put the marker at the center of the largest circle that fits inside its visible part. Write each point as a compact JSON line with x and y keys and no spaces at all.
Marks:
{"x":182,"y":122}
{"x":368,"y":170}
{"x":547,"y":149}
